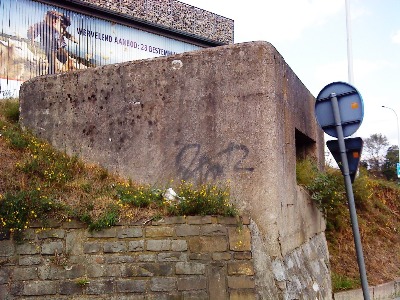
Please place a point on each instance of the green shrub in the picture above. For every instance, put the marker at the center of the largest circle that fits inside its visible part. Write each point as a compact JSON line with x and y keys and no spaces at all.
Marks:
{"x":138,"y":196}
{"x":18,"y":209}
{"x":202,"y":200}
{"x":10,"y":109}
{"x":327,"y":191}
{"x":14,"y":136}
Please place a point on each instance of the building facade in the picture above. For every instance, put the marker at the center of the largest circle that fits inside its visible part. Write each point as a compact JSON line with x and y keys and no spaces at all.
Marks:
{"x":48,"y":37}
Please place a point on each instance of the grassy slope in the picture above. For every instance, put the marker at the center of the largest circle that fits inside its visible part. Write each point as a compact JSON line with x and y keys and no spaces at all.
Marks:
{"x":36,"y":180}
{"x":379,"y":222}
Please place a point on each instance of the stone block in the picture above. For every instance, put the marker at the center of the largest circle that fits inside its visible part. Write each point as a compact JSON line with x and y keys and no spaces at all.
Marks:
{"x":70,"y":288}
{"x":165,"y":296}
{"x":50,"y":248}
{"x":114,"y":270}
{"x":100,"y":287}
{"x":117,"y":259}
{"x":114,"y":247}
{"x":130,"y":232}
{"x":28,"y":248}
{"x":135,"y":270}
{"x":188,"y":283}
{"x":187,"y":230}
{"x":27,"y":260}
{"x":221,"y":256}
{"x":246,"y":255}
{"x":239,"y":239}
{"x":240,"y":282}
{"x":131,"y":286}
{"x":147,"y":257}
{"x":179,"y":245}
{"x":73,"y":224}
{"x":129,"y":297}
{"x":5,"y":291}
{"x":196,"y":295}
{"x":208,"y":244}
{"x":242,"y":295}
{"x":74,"y":271}
{"x":159,"y":231}
{"x":217,"y":285}
{"x":245,"y":220}
{"x":200,"y":220}
{"x":29,"y":234}
{"x":51,"y":233}
{"x":228,"y":220}
{"x":16,"y":288}
{"x":172,"y":256}
{"x":241,"y":268}
{"x":158,"y":245}
{"x":92,"y":247}
{"x":96,"y":270}
{"x":25,"y":273}
{"x":105,"y":233}
{"x":74,"y":244}
{"x":159,"y":269}
{"x":134,"y":246}
{"x":213,"y":229}
{"x":5,"y":273}
{"x":190,"y":268}
{"x":163,"y":284}
{"x":201,"y":256}
{"x":39,"y":288}
{"x":171,"y":220}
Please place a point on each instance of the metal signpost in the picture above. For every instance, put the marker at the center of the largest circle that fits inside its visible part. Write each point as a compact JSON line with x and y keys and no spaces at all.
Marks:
{"x":339,"y":111}
{"x":398,"y":170}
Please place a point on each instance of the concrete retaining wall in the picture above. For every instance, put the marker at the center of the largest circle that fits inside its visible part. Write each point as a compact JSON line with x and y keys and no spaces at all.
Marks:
{"x":385,"y":291}
{"x":234,"y":113}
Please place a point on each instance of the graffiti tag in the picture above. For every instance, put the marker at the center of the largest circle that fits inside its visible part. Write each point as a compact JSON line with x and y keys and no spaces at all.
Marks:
{"x":192,"y":164}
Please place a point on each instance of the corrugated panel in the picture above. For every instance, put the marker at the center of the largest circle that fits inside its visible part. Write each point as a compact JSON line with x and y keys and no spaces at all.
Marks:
{"x":38,"y":39}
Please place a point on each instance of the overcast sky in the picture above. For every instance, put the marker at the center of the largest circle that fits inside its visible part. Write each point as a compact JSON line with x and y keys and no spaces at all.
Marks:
{"x":311,"y":37}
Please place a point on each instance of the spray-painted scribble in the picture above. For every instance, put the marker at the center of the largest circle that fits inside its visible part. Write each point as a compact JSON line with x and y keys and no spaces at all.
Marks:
{"x":191,"y":163}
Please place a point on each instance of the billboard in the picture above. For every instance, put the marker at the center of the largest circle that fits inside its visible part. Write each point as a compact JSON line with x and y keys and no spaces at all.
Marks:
{"x":39,"y":39}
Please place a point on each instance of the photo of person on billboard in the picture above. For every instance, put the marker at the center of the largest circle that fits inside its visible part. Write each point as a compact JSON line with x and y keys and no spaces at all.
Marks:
{"x":52,"y":32}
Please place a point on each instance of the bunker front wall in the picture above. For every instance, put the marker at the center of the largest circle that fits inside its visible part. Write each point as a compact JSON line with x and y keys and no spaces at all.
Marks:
{"x":235,"y":112}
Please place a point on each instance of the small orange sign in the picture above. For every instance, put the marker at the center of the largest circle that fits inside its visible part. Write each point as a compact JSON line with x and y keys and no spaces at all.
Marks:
{"x":354,"y":105}
{"x":356,"y":154}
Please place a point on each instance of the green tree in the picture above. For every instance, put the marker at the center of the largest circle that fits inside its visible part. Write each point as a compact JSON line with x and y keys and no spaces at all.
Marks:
{"x":389,"y":168}
{"x":374,"y":150}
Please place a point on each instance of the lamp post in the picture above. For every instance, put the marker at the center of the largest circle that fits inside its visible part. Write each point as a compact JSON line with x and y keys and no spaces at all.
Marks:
{"x":398,"y":134}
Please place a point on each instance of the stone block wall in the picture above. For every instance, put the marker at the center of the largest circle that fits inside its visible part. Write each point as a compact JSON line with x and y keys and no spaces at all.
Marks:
{"x":175,"y":15}
{"x":195,"y":257}
{"x":174,"y":258}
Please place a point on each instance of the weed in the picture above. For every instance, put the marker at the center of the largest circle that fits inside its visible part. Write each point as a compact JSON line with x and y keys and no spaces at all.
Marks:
{"x":59,"y":259}
{"x":340,"y":282}
{"x":107,"y":219}
{"x":82,"y":282}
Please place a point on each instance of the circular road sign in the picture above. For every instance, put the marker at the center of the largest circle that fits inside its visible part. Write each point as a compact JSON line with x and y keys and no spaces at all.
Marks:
{"x":351,"y":108}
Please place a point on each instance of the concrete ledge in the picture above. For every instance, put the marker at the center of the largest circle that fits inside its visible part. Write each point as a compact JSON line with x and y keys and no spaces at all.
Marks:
{"x":385,"y":291}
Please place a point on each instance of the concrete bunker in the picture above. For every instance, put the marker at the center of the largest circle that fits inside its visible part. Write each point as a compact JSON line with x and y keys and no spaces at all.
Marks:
{"x":235,"y":112}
